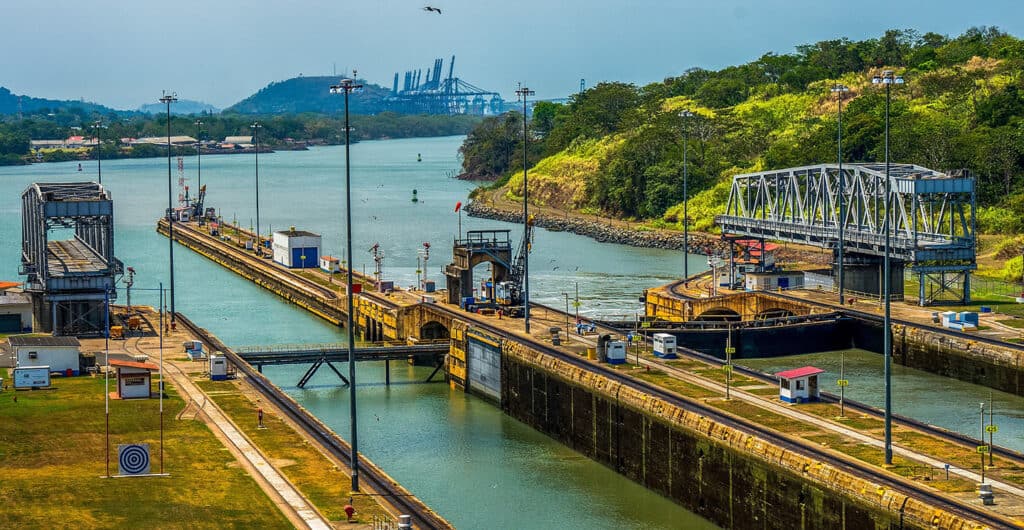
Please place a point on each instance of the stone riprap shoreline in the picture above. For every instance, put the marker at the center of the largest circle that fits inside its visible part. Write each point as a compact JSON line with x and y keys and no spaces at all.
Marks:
{"x":605,"y":232}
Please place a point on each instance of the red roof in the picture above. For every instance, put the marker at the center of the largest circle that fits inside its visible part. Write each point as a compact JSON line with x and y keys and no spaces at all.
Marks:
{"x":796,"y":372}
{"x":755,"y":245}
{"x":132,"y":364}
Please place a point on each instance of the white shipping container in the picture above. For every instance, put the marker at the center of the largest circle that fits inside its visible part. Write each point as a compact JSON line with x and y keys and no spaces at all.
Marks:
{"x":32,"y":377}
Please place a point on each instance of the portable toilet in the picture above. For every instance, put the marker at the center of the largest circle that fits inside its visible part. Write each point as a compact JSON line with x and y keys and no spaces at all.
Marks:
{"x":218,"y":367}
{"x":616,"y":352}
{"x":665,"y":345}
{"x":799,"y":385}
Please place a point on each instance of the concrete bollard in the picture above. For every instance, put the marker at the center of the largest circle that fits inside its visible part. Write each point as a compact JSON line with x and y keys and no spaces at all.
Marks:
{"x":986,"y":495}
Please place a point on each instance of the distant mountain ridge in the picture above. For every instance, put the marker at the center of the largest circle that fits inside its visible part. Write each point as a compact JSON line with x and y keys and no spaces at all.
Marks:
{"x":311,"y":94}
{"x":180,"y":107}
{"x":11,"y":103}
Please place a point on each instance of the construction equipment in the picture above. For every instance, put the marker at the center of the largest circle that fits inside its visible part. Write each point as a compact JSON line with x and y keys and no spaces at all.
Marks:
{"x":196,"y":206}
{"x":509,"y":293}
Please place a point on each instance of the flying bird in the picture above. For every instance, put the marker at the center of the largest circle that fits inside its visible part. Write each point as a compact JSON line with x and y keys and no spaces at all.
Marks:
{"x":434,"y":9}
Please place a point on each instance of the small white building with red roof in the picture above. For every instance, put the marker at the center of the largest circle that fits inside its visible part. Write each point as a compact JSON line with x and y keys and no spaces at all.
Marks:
{"x":134,"y":379}
{"x":799,"y":385}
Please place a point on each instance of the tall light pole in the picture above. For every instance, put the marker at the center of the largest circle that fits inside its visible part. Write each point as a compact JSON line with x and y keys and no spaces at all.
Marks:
{"x":256,"y":137}
{"x":839,"y":90}
{"x":524,"y":93}
{"x":168,"y":99}
{"x":686,"y":115}
{"x":888,"y":78}
{"x":346,"y":86}
{"x":98,"y":127}
{"x":199,"y":155}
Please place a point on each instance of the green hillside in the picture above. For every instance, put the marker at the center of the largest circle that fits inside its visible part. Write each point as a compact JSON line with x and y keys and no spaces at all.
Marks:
{"x":617,"y":148}
{"x":310,"y":94}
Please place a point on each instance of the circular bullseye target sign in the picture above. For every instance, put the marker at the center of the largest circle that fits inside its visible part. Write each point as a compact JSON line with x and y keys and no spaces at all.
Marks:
{"x":133,"y":459}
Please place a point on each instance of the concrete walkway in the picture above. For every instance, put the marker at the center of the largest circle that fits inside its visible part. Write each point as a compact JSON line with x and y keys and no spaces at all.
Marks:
{"x":295,"y":507}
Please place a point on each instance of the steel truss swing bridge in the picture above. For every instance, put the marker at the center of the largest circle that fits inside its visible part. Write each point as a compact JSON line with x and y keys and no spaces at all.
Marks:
{"x":69,"y":280}
{"x":931,"y":221}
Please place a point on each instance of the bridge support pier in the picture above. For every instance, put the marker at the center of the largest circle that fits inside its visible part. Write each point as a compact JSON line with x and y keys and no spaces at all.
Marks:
{"x":933,"y":284}
{"x":862,"y":275}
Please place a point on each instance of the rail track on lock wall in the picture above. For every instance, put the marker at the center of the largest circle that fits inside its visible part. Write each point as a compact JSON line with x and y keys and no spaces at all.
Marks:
{"x":849,"y":465}
{"x":384,"y":486}
{"x":963,"y":440}
{"x":312,"y":289}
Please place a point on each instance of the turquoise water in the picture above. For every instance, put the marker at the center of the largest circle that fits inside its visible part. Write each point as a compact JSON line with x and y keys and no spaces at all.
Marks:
{"x":474,"y":465}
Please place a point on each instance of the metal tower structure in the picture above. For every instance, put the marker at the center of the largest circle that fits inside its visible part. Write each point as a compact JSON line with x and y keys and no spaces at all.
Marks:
{"x":426,"y":92}
{"x":931,"y":220}
{"x":70,"y":279}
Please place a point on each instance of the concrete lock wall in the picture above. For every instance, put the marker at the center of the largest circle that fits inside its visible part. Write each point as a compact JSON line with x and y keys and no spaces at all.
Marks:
{"x":969,"y":360}
{"x":733,"y":479}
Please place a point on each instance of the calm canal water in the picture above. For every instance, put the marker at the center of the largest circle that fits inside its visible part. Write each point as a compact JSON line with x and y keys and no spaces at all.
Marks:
{"x":461,"y":455}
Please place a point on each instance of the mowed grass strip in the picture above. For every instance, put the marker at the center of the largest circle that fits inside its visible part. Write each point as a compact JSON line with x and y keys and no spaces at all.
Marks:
{"x":315,"y":476}
{"x":52,"y":460}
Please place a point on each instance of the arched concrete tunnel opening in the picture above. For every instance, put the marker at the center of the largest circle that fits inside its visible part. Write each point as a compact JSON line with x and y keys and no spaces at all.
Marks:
{"x":719,"y":314}
{"x":433,"y":330}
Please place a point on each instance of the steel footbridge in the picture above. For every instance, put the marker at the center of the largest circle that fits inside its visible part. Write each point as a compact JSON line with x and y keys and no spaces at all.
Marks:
{"x":930,"y":214}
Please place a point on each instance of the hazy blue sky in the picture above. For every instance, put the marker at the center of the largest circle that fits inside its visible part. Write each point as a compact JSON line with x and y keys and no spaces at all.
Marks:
{"x":123,"y":52}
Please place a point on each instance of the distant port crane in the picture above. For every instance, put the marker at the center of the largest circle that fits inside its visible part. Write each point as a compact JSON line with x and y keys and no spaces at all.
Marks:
{"x":426,"y":92}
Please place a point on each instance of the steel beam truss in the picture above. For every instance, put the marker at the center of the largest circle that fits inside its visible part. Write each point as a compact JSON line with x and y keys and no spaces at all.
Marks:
{"x":69,"y":279}
{"x":931,"y":215}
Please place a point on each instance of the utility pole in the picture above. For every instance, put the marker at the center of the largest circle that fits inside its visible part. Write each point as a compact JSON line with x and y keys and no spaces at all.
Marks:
{"x":345,"y":87}
{"x":729,"y":350}
{"x":991,"y":427}
{"x":199,"y":155}
{"x":983,"y":441}
{"x":524,"y":93}
{"x":686,"y":115}
{"x":256,"y":137}
{"x":888,"y":78}
{"x":98,"y":127}
{"x":839,"y":90}
{"x":168,"y":99}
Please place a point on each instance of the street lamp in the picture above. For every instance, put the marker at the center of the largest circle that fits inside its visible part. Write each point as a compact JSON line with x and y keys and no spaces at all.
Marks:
{"x":98,"y":127}
{"x":523,"y":93}
{"x":888,"y":78}
{"x":199,"y":154}
{"x":566,"y":314}
{"x":256,"y":137}
{"x":168,"y":99}
{"x":839,"y":90}
{"x":345,"y":87}
{"x":686,"y":115}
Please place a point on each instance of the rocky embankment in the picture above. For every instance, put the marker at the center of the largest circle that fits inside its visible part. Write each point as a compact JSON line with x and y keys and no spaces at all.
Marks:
{"x":605,"y":232}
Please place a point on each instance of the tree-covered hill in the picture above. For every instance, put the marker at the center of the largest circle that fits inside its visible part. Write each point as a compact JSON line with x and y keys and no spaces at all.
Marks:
{"x":310,"y":94}
{"x":617,"y":148}
{"x":13,"y":104}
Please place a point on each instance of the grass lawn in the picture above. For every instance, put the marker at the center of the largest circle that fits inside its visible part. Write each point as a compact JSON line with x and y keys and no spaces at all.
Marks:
{"x":310,"y":471}
{"x":52,"y":458}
